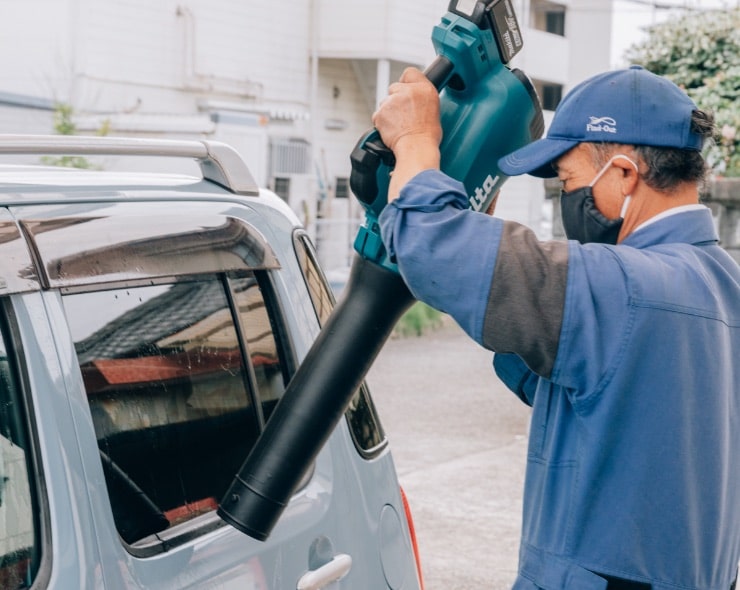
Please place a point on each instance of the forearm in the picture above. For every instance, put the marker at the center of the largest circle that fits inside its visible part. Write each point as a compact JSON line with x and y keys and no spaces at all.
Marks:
{"x":413,"y":155}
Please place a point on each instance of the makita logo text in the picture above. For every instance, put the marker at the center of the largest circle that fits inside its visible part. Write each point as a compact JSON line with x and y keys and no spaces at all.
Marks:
{"x":509,"y":43}
{"x":606,"y":124}
{"x":513,"y":27}
{"x":480,"y":197}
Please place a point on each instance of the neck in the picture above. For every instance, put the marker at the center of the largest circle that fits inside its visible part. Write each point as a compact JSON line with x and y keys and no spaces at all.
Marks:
{"x":646,"y":203}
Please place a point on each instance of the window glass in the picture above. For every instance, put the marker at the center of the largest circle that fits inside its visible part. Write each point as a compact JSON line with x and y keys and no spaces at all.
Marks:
{"x":341,"y":190}
{"x":320,"y":294}
{"x":282,"y":187}
{"x":169,"y":394}
{"x":548,"y":16}
{"x":364,"y":423}
{"x":550,"y":93}
{"x":551,"y":96}
{"x":362,"y":418}
{"x":555,"y":22}
{"x":19,"y":541}
{"x":270,"y":372}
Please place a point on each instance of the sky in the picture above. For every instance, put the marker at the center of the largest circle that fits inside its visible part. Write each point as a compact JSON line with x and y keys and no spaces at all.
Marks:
{"x":632,"y":16}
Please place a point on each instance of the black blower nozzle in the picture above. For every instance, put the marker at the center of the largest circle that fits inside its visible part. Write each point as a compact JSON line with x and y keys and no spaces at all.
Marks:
{"x":316,"y":398}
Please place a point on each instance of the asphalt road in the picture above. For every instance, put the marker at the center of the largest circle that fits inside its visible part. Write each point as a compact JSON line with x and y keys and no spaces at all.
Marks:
{"x":458,"y":438}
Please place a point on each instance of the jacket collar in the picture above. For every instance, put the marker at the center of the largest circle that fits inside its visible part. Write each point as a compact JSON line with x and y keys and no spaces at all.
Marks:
{"x":694,"y":226}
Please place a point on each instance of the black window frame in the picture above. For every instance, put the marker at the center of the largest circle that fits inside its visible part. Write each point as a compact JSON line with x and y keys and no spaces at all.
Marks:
{"x":10,"y":333}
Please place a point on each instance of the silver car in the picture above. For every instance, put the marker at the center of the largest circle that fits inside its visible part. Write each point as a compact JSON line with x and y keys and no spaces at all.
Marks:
{"x":149,"y":323}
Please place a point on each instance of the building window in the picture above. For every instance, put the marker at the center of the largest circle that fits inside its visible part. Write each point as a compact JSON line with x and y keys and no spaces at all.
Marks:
{"x":555,"y":22}
{"x":549,"y":93}
{"x":551,"y":96}
{"x":282,"y":187}
{"x":289,"y":156}
{"x":548,"y":16}
{"x":341,"y":190}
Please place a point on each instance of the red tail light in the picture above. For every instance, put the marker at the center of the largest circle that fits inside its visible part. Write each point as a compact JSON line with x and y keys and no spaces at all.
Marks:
{"x":412,"y":533}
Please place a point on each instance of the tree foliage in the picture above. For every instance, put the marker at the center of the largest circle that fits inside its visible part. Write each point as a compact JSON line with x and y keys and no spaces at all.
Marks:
{"x":64,"y":125}
{"x":700,"y":51}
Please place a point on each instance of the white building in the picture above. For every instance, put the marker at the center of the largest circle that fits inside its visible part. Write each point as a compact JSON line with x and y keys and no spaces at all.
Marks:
{"x":291,"y":85}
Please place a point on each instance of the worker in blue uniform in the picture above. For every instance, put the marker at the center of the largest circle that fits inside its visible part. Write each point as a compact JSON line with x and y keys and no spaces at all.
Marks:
{"x":624,"y":339}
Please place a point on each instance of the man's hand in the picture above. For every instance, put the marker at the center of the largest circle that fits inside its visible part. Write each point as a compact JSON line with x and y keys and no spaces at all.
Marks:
{"x":408,"y":122}
{"x":410,"y":112}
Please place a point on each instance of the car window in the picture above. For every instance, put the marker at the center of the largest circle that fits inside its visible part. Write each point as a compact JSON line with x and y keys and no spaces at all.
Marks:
{"x":367,"y":432}
{"x":178,"y":392}
{"x":19,"y":534}
{"x":262,"y":332}
{"x":321,"y":295}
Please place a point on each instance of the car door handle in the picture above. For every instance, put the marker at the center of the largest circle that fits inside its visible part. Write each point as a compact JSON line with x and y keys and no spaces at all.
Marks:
{"x":330,"y":572}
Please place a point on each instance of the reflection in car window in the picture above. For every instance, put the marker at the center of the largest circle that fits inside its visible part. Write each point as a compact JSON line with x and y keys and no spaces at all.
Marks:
{"x":363,"y":420}
{"x":321,"y":295}
{"x":19,"y":542}
{"x":170,"y":395}
{"x":269,"y":372}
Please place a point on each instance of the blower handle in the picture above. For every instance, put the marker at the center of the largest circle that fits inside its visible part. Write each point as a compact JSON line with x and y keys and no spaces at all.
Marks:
{"x":370,"y":153}
{"x":440,"y":72}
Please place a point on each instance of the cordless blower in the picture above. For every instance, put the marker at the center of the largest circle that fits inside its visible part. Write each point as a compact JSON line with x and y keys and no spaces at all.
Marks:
{"x":487,"y":111}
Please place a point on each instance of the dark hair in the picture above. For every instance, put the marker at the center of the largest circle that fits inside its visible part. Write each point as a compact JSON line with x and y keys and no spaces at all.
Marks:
{"x":666,"y":168}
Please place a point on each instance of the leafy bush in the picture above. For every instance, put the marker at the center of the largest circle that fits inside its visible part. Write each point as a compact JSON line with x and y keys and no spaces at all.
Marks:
{"x":700,"y":51}
{"x":417,"y":320}
{"x":64,"y":125}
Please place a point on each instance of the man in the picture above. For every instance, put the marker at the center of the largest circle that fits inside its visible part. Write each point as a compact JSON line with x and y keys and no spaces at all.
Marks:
{"x":625,"y":339}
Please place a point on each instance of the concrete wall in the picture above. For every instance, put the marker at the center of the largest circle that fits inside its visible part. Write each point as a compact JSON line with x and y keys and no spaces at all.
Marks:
{"x":722,"y":196}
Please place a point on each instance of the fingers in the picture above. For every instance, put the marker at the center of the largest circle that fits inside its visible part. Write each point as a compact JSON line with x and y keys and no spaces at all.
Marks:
{"x":412,"y":75}
{"x":411,"y":108}
{"x":409,"y":76}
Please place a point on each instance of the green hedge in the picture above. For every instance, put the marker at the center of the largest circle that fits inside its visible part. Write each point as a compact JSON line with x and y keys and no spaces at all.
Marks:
{"x":420,"y":318}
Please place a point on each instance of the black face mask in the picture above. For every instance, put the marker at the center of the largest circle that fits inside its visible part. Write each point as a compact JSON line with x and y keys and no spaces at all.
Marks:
{"x":582,"y":221}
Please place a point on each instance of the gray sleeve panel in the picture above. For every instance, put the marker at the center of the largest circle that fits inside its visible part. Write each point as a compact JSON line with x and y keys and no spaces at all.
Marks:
{"x":525,"y":306}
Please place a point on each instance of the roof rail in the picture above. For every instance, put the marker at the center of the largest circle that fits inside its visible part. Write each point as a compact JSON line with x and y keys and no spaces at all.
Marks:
{"x":219,"y":162}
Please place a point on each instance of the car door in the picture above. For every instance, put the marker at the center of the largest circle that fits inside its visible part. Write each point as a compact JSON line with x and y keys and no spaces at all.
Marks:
{"x":181,"y":350}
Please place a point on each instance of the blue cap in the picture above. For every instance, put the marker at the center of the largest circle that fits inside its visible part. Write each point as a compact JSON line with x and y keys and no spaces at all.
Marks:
{"x":632,"y":106}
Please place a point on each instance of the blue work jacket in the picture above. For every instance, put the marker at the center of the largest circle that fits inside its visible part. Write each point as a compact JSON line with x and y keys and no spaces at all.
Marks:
{"x":630,"y":358}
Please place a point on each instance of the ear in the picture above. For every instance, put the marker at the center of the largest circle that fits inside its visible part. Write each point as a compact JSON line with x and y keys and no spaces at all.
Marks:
{"x":630,"y":174}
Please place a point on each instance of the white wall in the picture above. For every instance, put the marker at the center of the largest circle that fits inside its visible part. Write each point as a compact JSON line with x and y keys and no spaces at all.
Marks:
{"x":168,"y":52}
{"x":35,"y":48}
{"x":588,"y":27}
{"x":545,"y":56}
{"x":386,"y":29}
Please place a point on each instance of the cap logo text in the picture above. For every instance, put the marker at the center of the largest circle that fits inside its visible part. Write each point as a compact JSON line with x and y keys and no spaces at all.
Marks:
{"x":606,"y":124}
